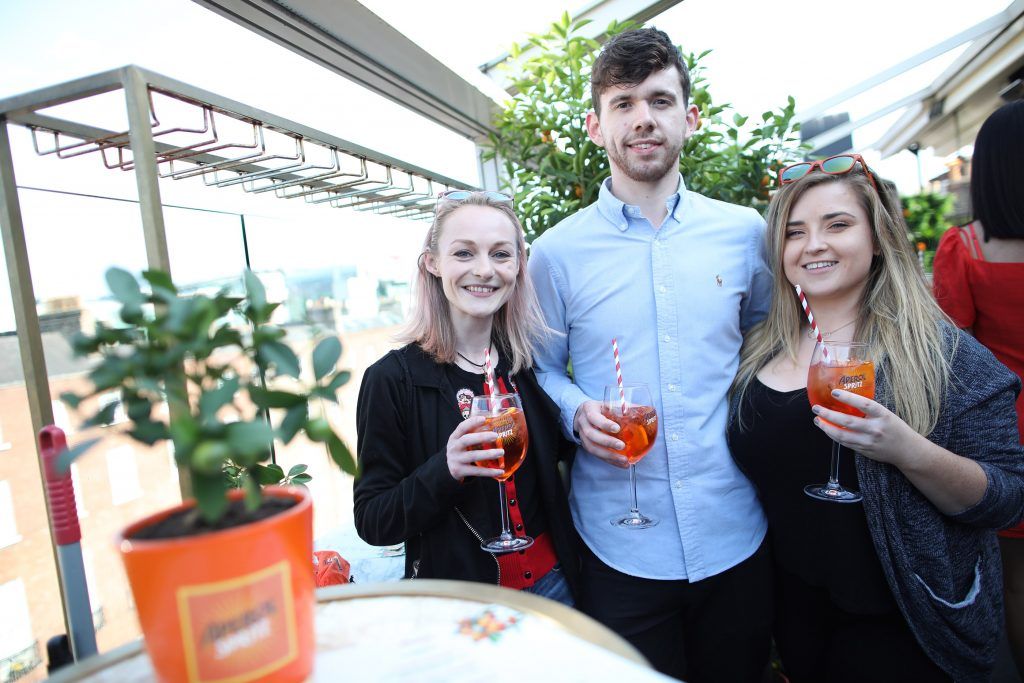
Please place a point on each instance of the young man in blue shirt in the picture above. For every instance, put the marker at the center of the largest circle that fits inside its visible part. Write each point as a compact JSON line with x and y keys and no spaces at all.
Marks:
{"x":677,"y":278}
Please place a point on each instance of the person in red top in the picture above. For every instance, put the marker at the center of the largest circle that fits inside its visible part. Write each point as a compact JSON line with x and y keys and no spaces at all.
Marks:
{"x":979,"y":282}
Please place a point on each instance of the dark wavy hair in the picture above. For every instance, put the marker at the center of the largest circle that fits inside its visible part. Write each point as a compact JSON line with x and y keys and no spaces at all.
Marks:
{"x":630,"y":57}
{"x":997,"y":173}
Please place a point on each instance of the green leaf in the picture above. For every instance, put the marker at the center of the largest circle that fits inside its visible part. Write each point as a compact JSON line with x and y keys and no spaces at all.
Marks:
{"x":330,"y":392}
{"x":159,"y":279}
{"x":265,"y":398}
{"x":210,"y":491}
{"x":325,"y":357}
{"x":253,"y":495}
{"x":281,"y":357}
{"x":184,"y":431}
{"x":103,"y":417}
{"x":341,"y":455}
{"x":69,"y":455}
{"x":249,"y":439}
{"x":267,"y":475}
{"x":72,"y":399}
{"x":149,"y":432}
{"x":300,"y":479}
{"x":215,"y":399}
{"x":297,"y":469}
{"x":293,"y":421}
{"x":255,"y":292}
{"x":210,"y":456}
{"x":124,"y":286}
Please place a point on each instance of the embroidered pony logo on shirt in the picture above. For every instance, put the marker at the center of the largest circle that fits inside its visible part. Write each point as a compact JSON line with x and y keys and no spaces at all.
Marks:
{"x":465,"y":399}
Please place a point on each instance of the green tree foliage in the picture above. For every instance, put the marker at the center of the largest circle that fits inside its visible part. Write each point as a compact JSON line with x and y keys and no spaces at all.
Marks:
{"x":927,"y":216}
{"x":553,"y":168}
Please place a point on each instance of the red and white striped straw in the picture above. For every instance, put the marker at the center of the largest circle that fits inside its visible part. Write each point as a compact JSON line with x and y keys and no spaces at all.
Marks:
{"x":618,"y":374}
{"x":810,"y":319}
{"x":489,"y":372}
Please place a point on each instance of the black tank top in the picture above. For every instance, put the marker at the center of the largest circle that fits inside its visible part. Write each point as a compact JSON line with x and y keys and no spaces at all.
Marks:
{"x":825,"y":544}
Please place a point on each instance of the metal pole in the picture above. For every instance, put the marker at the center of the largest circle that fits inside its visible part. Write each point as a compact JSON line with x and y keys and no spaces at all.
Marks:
{"x":30,"y":342}
{"x":147,"y":179}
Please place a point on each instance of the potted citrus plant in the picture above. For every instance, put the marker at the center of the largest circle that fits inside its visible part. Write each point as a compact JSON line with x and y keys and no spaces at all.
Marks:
{"x":223,"y":583}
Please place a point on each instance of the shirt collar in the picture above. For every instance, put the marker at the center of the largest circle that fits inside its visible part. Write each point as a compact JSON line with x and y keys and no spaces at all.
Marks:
{"x":618,"y":212}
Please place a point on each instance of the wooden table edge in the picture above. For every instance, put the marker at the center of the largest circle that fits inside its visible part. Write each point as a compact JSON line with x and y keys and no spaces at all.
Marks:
{"x":565,"y":618}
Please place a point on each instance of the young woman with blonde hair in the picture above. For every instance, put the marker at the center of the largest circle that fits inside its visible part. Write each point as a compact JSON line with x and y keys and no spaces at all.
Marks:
{"x":419,"y":481}
{"x":905,"y":585}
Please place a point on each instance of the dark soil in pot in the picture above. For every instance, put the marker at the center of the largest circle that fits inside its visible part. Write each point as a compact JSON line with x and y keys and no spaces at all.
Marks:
{"x":190,"y":523}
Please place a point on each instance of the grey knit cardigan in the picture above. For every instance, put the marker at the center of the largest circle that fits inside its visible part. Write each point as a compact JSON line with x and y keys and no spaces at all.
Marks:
{"x":944,"y":571}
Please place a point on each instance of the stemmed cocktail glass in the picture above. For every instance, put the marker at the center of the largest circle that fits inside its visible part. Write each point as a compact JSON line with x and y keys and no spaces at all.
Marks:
{"x":504,"y":415}
{"x":633,"y":410}
{"x":838,"y":365}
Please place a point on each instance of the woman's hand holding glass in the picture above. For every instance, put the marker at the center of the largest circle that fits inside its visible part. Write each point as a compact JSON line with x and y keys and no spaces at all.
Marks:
{"x":880,"y":435}
{"x":461,"y":460}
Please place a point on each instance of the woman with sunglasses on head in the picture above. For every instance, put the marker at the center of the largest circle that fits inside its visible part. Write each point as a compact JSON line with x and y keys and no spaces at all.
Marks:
{"x":979,"y":281}
{"x":903,"y":586}
{"x":419,"y":482}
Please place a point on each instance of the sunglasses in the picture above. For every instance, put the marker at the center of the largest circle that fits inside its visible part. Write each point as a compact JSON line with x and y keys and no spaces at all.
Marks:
{"x":838,"y":165}
{"x":463,"y":195}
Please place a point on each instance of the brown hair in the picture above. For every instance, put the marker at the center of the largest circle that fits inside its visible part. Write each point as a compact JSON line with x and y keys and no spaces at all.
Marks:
{"x":517,"y":324}
{"x":898,"y":317}
{"x":630,"y":57}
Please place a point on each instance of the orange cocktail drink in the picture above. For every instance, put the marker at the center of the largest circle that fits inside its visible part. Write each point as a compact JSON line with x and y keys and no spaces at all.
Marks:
{"x":856,"y":376}
{"x":510,"y":425}
{"x":638,"y":428}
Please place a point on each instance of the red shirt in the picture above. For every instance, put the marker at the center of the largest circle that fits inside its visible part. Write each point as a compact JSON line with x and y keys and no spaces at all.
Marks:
{"x":987,"y":297}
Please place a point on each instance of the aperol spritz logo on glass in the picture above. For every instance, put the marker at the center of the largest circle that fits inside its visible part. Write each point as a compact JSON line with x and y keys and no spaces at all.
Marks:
{"x":240,"y":629}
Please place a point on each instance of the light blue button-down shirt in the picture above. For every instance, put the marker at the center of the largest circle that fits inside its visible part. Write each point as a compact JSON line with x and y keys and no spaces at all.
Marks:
{"x":678,"y":299}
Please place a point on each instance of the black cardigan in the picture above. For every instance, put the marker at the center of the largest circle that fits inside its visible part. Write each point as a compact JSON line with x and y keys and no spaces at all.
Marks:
{"x":405,"y":492}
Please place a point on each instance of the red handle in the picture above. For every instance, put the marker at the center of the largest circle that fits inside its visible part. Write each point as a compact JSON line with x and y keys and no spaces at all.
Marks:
{"x":59,"y":487}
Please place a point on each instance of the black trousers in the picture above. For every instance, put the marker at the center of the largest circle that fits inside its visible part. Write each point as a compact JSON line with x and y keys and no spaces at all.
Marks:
{"x":717,"y":630}
{"x":819,"y":642}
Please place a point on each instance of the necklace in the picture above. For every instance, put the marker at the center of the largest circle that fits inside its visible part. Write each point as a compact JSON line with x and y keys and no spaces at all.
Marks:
{"x":479,"y":365}
{"x":810,"y":330}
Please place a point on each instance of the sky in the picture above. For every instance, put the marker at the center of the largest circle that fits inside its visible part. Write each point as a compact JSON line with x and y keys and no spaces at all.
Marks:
{"x":761,"y":52}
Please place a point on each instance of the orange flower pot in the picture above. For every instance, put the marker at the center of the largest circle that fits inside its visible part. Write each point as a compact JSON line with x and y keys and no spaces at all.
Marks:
{"x":228,"y":606}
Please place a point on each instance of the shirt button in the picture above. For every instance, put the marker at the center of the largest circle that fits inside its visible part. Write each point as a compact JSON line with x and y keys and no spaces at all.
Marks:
{"x":519,"y":527}
{"x":678,"y":484}
{"x":512,"y":501}
{"x":671,"y":387}
{"x":675,"y":437}
{"x":663,"y":289}
{"x":667,"y":338}
{"x":528,"y":575}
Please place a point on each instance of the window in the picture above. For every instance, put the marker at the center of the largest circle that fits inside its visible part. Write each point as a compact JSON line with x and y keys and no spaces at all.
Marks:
{"x":19,"y":651}
{"x":123,"y":471}
{"x":8,"y":527}
{"x":76,"y":481}
{"x":60,"y":416}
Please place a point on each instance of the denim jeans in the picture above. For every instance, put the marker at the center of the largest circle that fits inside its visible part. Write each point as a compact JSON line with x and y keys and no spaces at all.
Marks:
{"x":553,"y":586}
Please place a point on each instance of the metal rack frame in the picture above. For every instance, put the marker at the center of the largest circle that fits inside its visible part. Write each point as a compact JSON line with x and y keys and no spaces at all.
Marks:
{"x":353,"y":176}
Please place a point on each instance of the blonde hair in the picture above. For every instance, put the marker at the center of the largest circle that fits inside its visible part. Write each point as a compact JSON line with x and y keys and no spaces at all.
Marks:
{"x":517,"y":324}
{"x":898,"y":316}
